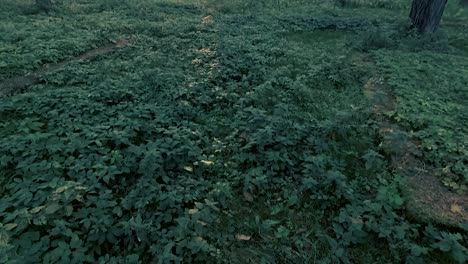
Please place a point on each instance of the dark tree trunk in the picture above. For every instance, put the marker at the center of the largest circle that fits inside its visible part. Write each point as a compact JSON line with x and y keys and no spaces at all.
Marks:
{"x":464,"y":2}
{"x":44,"y":5}
{"x":426,"y":14}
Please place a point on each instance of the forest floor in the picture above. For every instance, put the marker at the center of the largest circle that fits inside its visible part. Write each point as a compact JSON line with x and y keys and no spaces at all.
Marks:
{"x":18,"y":84}
{"x":232,"y":131}
{"x":427,"y":197}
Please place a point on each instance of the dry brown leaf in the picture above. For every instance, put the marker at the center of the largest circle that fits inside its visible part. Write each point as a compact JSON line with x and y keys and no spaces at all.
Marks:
{"x":201,"y":240}
{"x":61,"y":189}
{"x":455,"y":208}
{"x":207,"y":162}
{"x":241,"y":237}
{"x":357,"y":220}
{"x":207,"y":20}
{"x":248,"y":197}
{"x":193,"y":211}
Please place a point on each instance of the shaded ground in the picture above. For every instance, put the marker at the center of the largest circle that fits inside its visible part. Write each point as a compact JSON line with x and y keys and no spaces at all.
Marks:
{"x":428,"y":199}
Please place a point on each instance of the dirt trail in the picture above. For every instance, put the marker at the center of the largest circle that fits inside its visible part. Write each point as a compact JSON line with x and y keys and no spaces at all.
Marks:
{"x":428,"y":199}
{"x":18,"y":84}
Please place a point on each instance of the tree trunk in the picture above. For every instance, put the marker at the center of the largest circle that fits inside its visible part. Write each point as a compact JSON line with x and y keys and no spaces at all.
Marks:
{"x":464,"y":2}
{"x":426,"y":14}
{"x":44,"y":5}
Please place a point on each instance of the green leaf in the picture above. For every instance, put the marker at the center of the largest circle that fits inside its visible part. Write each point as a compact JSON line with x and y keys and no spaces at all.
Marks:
{"x":68,"y":210}
{"x":282,"y":232}
{"x":52,"y":208}
{"x":75,"y":242}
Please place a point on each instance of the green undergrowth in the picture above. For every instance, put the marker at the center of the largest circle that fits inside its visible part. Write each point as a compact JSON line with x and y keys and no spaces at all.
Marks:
{"x":428,"y":77}
{"x":432,"y":103}
{"x":244,"y":139}
{"x":30,"y":39}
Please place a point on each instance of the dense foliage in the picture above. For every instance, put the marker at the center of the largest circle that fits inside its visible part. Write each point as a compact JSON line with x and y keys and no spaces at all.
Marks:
{"x":220,"y":118}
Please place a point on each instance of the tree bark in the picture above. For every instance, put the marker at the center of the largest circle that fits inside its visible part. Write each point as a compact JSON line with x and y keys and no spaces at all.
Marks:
{"x":464,"y":2}
{"x":426,"y":14}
